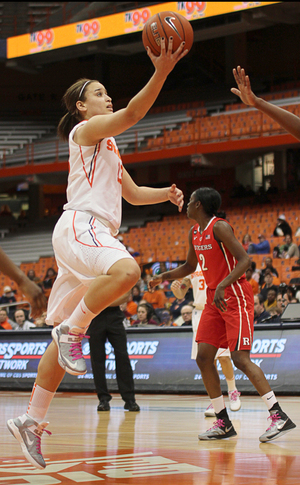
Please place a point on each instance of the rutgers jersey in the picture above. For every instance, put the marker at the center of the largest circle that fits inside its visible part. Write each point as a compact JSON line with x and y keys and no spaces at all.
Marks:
{"x":215,"y":260}
{"x":95,"y":180}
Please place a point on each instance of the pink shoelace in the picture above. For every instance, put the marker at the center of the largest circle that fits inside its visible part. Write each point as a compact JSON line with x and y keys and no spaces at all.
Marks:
{"x":217,"y":424}
{"x":75,"y":348}
{"x":274,"y":418}
{"x":234,"y":395}
{"x":38,"y":441}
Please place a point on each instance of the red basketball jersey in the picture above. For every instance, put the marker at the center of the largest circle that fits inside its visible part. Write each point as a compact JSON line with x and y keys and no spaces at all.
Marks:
{"x":214,"y":258}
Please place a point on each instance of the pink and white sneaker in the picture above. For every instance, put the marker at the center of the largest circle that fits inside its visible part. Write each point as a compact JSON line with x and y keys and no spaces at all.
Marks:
{"x":234,"y":400}
{"x":210,"y":412}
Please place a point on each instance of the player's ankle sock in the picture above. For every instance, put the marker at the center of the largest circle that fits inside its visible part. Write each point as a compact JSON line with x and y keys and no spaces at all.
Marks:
{"x":269,"y":399}
{"x":218,"y":404}
{"x":231,"y":384}
{"x":81,"y":317}
{"x":39,"y":403}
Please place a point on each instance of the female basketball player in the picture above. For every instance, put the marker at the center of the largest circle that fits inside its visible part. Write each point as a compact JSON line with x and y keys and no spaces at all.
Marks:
{"x":227,"y":318}
{"x":94,"y":268}
{"x":287,"y":120}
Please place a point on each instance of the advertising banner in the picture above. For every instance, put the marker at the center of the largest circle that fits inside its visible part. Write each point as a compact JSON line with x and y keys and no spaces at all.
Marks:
{"x":161,"y":361}
{"x":115,"y":25}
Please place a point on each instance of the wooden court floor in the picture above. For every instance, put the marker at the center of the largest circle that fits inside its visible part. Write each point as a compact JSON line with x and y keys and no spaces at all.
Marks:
{"x":159,"y":443}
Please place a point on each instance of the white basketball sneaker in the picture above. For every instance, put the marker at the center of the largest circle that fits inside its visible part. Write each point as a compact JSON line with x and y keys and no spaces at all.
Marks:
{"x":28,"y":433}
{"x":68,"y":342}
{"x":210,"y":412}
{"x":234,"y":400}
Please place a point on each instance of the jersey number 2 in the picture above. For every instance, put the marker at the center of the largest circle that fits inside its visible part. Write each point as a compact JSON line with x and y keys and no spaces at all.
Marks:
{"x":202,"y":258}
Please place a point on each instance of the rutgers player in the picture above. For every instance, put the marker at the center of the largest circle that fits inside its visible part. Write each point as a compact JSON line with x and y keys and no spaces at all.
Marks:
{"x":197,"y":282}
{"x":94,"y":268}
{"x":227,"y":319}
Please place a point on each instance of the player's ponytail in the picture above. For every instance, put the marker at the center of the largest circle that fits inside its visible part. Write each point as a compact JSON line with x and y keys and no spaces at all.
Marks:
{"x":211,"y":201}
{"x":73,"y":94}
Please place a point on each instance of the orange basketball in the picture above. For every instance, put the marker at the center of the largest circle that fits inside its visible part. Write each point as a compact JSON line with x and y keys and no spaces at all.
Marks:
{"x":167,"y":24}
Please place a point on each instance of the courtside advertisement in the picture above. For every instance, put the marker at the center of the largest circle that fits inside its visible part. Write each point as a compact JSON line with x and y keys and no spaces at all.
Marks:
{"x":160,"y":360}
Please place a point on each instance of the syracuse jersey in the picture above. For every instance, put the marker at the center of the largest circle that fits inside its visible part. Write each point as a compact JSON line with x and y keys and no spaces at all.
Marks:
{"x":199,"y":287}
{"x":95,"y":180}
{"x":215,"y":259}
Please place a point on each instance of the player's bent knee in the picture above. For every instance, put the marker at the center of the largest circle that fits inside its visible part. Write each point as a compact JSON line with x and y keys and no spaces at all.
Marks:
{"x":126,"y":272}
{"x":240,"y":360}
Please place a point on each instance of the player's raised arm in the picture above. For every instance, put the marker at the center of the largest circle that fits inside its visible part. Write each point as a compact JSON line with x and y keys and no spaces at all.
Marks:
{"x":99,"y":126}
{"x":288,"y":121}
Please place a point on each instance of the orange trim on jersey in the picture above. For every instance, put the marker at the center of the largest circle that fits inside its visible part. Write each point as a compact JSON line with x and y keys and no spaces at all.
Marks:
{"x":94,"y":165}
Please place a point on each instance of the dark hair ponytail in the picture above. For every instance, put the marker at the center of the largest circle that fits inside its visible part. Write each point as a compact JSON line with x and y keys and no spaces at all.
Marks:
{"x":70,"y":98}
{"x":211,"y":201}
{"x":65,"y":126}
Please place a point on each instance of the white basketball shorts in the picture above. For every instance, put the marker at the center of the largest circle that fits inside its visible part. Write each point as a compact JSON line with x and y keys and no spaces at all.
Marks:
{"x":84,"y":249}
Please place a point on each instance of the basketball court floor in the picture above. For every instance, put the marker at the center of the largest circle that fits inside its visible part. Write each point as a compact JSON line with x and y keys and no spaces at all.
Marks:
{"x":159,"y":443}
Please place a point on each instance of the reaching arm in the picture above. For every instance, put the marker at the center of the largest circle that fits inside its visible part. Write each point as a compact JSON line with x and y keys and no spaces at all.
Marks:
{"x":287,"y":120}
{"x":178,"y":273}
{"x":224,"y":233}
{"x":102,"y":126}
{"x":136,"y":195}
{"x":30,"y":290}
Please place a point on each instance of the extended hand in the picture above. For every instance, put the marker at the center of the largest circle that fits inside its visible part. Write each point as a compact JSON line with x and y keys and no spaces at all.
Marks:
{"x":175,"y":196}
{"x":35,"y":298}
{"x":244,"y":87}
{"x":155,"y":280}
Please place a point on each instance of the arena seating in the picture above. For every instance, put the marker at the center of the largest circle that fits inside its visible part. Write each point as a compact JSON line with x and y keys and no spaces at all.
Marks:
{"x":15,"y":135}
{"x":167,"y":239}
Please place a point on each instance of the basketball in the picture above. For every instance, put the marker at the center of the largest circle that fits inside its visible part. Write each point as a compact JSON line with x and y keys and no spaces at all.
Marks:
{"x":167,"y":24}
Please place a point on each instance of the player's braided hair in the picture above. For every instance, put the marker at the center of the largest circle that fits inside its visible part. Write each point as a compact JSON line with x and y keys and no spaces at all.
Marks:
{"x":211,"y":201}
{"x":73,"y":94}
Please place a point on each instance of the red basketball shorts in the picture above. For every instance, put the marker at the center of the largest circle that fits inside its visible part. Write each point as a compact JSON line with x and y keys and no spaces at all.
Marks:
{"x":233,"y":328}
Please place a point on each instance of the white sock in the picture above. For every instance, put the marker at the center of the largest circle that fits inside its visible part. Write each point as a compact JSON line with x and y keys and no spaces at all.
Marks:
{"x":218,"y":404}
{"x":269,"y":399}
{"x":231,"y":384}
{"x":39,"y":403}
{"x":81,"y":317}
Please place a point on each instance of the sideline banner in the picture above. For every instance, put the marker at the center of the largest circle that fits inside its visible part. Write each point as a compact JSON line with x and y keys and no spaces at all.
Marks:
{"x":161,"y":361}
{"x":115,"y":25}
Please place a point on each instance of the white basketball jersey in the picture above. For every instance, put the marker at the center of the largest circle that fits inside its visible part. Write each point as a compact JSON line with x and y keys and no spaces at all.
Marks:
{"x":199,"y":288}
{"x":95,"y":180}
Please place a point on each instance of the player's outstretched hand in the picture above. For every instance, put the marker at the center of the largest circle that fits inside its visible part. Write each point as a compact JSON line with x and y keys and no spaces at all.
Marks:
{"x":35,"y":297}
{"x":244,"y":87}
{"x":175,"y":196}
{"x":167,"y":59}
{"x":155,"y":280}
